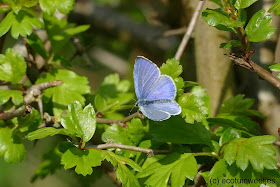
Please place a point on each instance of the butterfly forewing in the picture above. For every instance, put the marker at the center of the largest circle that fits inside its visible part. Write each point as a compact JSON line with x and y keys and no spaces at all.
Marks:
{"x":145,"y":75}
{"x":163,"y":88}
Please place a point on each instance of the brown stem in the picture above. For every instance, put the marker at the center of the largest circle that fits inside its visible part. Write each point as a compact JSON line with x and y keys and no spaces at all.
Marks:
{"x":150,"y":152}
{"x":19,"y":112}
{"x":120,"y":122}
{"x":249,"y":64}
{"x":35,"y":90}
{"x":189,"y":31}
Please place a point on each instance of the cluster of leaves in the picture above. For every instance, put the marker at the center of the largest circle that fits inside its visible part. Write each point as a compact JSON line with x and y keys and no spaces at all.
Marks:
{"x":230,"y":137}
{"x":232,"y":17}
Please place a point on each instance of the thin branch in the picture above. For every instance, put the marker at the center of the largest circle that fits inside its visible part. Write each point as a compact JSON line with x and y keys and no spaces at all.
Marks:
{"x":35,"y":90}
{"x":120,"y":122}
{"x":150,"y":152}
{"x":249,"y":64}
{"x":189,"y":31}
{"x":80,"y":50}
{"x":19,"y":112}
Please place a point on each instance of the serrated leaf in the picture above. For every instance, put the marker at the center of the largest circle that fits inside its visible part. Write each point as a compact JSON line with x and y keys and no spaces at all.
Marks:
{"x":257,"y":150}
{"x":219,"y":19}
{"x":229,"y":134}
{"x":258,"y":28}
{"x":243,"y":3}
{"x":51,"y":162}
{"x":20,"y":24}
{"x":63,"y":6}
{"x":79,"y":120}
{"x":237,"y":105}
{"x":176,"y":130}
{"x":18,"y":4}
{"x":59,"y":31}
{"x":14,"y":95}
{"x":11,"y":146}
{"x":172,"y":68}
{"x":72,"y":89}
{"x":123,"y":173}
{"x":179,"y":82}
{"x":37,"y":45}
{"x":275,"y":7}
{"x":174,"y":166}
{"x":47,"y":131}
{"x":12,"y":66}
{"x":195,"y":105}
{"x":82,"y":160}
{"x":224,"y":175}
{"x":232,"y":43}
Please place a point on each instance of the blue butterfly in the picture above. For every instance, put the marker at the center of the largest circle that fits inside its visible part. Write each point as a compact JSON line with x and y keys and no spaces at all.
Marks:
{"x":155,"y":92}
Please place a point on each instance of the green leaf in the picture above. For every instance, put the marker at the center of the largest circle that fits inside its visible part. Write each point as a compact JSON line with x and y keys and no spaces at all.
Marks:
{"x":238,"y":106}
{"x":243,"y":3}
{"x":51,"y":162}
{"x":82,"y":160}
{"x":257,"y":150}
{"x":47,"y":131}
{"x":258,"y":28}
{"x":219,"y":19}
{"x":63,"y":6}
{"x":190,"y":84}
{"x":179,"y":82}
{"x":60,"y":32}
{"x":218,"y":2}
{"x":230,"y":44}
{"x":174,"y":166}
{"x":99,"y":102}
{"x":172,"y":68}
{"x":30,"y":122}
{"x":275,"y":67}
{"x":11,"y":146}
{"x":12,"y":66}
{"x":224,"y":175}
{"x":37,"y":45}
{"x":20,"y":24}
{"x":275,"y":7}
{"x":14,"y":95}
{"x":229,"y":134}
{"x":123,"y":173}
{"x":72,"y":89}
{"x":238,"y":122}
{"x":176,"y":130}
{"x":18,"y":4}
{"x":130,"y":136}
{"x":115,"y":92}
{"x":195,"y":105}
{"x":79,"y":120}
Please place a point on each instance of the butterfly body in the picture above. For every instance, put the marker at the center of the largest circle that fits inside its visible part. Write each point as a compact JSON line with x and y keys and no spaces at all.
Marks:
{"x":155,"y":92}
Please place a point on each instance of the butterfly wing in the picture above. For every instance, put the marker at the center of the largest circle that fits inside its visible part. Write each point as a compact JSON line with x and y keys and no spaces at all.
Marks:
{"x":163,"y":88}
{"x":145,"y":74}
{"x":159,"y":111}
